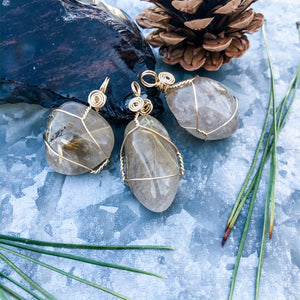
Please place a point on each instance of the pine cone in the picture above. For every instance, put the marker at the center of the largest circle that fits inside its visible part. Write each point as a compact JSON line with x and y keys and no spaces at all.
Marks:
{"x":200,"y":33}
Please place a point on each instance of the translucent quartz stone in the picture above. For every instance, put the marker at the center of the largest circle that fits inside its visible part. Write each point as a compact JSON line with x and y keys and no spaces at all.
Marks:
{"x":149,"y":156}
{"x":215,"y":104}
{"x":67,"y":136}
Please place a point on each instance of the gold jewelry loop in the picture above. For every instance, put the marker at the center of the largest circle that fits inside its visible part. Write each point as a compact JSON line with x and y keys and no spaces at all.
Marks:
{"x":166,"y":78}
{"x":163,"y":81}
{"x":152,"y":74}
{"x":147,"y":107}
{"x":136,"y":89}
{"x":136,"y":104}
{"x":97,"y":98}
{"x":104,"y":85}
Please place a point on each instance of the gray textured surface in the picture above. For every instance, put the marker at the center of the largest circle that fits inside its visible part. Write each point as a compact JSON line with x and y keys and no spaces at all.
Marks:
{"x":37,"y":203}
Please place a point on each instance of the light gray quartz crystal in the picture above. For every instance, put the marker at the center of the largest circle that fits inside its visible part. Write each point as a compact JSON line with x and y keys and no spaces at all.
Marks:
{"x":204,"y":107}
{"x":152,"y":171}
{"x":67,"y":136}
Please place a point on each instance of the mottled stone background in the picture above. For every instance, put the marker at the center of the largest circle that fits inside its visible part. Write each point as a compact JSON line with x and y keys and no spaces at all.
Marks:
{"x":38,"y":203}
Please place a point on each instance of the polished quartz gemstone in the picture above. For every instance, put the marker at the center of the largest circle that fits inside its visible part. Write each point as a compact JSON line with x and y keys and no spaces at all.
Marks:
{"x":203,"y":107}
{"x":149,"y":157}
{"x":68,"y":137}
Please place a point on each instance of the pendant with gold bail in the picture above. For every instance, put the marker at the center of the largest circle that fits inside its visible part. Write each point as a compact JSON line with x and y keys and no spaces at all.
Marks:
{"x":202,"y":106}
{"x":149,"y":164}
{"x":78,"y":139}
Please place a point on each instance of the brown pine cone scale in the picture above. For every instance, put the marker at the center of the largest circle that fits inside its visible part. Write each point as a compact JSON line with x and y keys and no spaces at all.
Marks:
{"x":200,"y":33}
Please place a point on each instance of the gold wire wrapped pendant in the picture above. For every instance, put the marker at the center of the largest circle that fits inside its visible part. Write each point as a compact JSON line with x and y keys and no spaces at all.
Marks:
{"x":150,"y":164}
{"x":77,"y":138}
{"x":202,"y":106}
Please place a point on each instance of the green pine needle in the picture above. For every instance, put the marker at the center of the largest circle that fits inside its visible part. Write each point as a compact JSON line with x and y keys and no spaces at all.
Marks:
{"x":247,"y":223}
{"x":270,"y":200}
{"x":77,"y":258}
{"x":22,"y":243}
{"x":290,"y":94}
{"x":64,"y":273}
{"x":27,"y":278}
{"x":281,"y":112}
{"x":279,"y":118}
{"x":2,"y":295}
{"x":11,"y":292}
{"x":81,"y":246}
{"x":24,"y":288}
{"x":273,"y":169}
{"x":252,"y":167}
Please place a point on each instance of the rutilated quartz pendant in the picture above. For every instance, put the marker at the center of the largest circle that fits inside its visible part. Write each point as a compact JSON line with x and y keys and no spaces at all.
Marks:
{"x":77,"y":138}
{"x":67,"y":136}
{"x":202,"y":106}
{"x":149,"y":165}
{"x":205,"y":108}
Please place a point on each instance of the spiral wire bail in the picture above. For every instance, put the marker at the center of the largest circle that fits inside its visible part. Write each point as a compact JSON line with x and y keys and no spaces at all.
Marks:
{"x":163,"y":81}
{"x":138,"y":104}
{"x":97,"y":98}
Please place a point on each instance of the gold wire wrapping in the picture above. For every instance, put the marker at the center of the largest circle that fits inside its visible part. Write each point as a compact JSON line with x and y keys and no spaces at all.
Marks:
{"x":96,"y":99}
{"x":145,"y":110}
{"x":164,"y":81}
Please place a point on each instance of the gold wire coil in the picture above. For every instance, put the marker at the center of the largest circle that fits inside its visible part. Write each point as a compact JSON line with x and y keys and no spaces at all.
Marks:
{"x":138,"y":104}
{"x":97,"y":98}
{"x":163,"y":81}
{"x":147,"y":107}
{"x":136,"y":88}
{"x":149,"y":73}
{"x":166,"y":78}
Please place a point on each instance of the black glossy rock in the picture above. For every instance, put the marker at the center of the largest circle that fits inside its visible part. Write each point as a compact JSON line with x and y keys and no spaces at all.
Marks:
{"x":14,"y":92}
{"x":67,"y":47}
